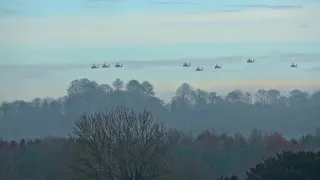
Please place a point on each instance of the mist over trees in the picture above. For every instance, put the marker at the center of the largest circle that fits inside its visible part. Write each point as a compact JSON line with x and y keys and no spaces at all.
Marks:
{"x":128,"y":145}
{"x":190,"y":109}
{"x":109,"y":141}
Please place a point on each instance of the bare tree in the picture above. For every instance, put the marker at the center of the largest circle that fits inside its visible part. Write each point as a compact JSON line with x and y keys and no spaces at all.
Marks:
{"x":119,"y":144}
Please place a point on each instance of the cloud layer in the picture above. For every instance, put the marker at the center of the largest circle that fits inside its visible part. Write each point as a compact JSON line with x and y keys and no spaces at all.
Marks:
{"x":263,"y":6}
{"x":280,"y":57}
{"x":267,"y":25}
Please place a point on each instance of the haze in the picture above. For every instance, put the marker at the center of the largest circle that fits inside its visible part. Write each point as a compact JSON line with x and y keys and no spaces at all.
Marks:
{"x":44,"y":45}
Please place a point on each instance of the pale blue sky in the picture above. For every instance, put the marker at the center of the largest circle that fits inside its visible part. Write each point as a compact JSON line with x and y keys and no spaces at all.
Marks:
{"x":44,"y":44}
{"x":33,"y":8}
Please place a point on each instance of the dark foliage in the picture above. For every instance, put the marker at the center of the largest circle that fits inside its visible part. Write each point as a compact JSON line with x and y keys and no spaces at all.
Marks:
{"x":233,"y":177}
{"x":209,"y":156}
{"x":288,"y":166}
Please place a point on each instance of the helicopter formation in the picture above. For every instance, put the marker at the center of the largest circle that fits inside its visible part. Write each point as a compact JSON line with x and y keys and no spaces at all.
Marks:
{"x":220,"y":66}
{"x":106,"y":66}
{"x":201,"y":69}
{"x":293,"y":65}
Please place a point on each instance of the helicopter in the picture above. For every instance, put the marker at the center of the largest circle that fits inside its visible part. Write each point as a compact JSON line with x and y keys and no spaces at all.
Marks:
{"x":217,"y":66}
{"x":294,"y":65}
{"x":186,"y":65}
{"x":94,"y":67}
{"x":118,"y":65}
{"x":250,"y":61}
{"x":105,"y":66}
{"x":198,"y":69}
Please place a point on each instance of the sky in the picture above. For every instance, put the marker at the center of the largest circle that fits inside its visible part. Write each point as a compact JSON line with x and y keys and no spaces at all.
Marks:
{"x":45,"y":44}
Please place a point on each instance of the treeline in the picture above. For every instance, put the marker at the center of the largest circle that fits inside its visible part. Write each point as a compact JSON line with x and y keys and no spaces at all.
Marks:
{"x":206,"y":157}
{"x":190,"y":109}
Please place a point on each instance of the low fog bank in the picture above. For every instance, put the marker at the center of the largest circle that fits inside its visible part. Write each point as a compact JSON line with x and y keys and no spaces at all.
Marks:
{"x":191,"y":109}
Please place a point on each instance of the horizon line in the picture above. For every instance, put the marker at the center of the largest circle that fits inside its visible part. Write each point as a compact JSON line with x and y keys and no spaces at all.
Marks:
{"x":164,"y":91}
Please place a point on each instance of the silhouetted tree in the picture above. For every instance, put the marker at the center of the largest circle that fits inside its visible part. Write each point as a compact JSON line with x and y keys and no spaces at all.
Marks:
{"x":288,"y":166}
{"x":106,"y":87}
{"x":118,"y":84}
{"x":267,"y":110}
{"x":315,"y":97}
{"x":82,"y":86}
{"x":134,"y":86}
{"x":261,"y":97}
{"x":147,"y":88}
{"x":273,"y":96}
{"x":247,"y":98}
{"x":213,"y":98}
{"x":233,"y":177}
{"x":200,"y":98}
{"x":182,"y":98}
{"x":120,"y":144}
{"x":235,"y":96}
{"x":298,"y":98}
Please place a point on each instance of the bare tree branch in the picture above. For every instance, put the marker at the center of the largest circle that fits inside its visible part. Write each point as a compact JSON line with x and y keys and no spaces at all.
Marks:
{"x":120,"y":144}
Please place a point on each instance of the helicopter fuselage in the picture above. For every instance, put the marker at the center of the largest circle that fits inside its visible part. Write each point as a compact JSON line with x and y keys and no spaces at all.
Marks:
{"x":186,"y":65}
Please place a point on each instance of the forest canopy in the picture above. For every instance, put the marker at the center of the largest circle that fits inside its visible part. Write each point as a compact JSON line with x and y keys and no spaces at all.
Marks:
{"x":190,"y":109}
